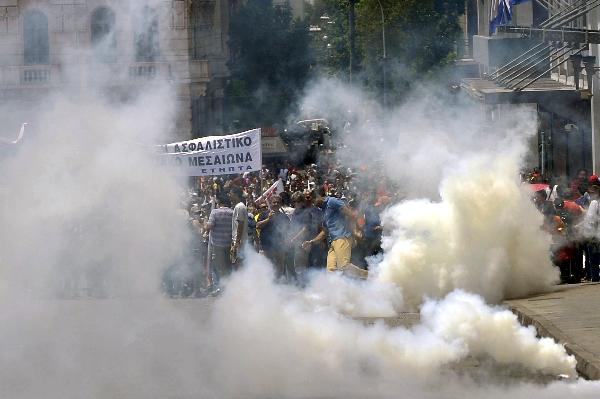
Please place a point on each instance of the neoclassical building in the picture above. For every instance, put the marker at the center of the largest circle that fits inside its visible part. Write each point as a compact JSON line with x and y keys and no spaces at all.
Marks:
{"x":48,"y":45}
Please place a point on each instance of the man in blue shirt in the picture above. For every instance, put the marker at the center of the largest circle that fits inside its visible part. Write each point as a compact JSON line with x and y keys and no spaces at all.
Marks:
{"x":337,"y":219}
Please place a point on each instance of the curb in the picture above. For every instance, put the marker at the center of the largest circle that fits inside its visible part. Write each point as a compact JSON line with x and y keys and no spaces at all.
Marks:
{"x":588,"y":366}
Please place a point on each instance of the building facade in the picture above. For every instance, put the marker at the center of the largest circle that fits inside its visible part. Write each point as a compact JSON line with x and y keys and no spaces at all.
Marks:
{"x":544,"y":57}
{"x":50,"y":45}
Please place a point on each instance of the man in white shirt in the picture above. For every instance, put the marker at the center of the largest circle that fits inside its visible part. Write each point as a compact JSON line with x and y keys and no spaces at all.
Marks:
{"x":239,"y":226}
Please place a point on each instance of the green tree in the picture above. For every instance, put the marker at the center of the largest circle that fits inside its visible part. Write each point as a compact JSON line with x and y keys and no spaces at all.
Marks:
{"x":329,"y":22}
{"x":271,"y":59}
{"x":420,"y":39}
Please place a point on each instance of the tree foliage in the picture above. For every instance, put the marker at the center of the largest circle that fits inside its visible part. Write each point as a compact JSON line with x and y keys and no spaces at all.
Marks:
{"x":271,"y":58}
{"x":421,"y":38}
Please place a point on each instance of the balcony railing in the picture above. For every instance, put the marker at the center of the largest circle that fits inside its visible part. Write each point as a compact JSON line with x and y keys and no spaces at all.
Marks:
{"x":150,"y":70}
{"x":29,"y":75}
{"x":36,"y":75}
{"x":14,"y":76}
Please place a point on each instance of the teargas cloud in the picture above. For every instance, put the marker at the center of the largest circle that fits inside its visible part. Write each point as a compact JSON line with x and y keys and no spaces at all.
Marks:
{"x":94,"y":227}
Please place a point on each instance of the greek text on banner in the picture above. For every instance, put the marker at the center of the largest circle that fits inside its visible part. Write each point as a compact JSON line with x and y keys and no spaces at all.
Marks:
{"x":214,"y":155}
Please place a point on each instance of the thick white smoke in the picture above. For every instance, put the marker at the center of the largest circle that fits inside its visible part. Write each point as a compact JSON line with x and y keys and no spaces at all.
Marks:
{"x":288,"y":323}
{"x":82,"y":201}
{"x":417,"y":144}
{"x":258,"y":340}
{"x":483,"y":236}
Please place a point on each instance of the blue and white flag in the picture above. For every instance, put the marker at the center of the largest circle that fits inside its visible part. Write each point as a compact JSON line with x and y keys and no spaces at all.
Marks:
{"x":501,"y":12}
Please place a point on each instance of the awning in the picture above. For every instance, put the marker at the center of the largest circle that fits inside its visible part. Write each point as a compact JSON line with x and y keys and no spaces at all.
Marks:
{"x":488,"y":92}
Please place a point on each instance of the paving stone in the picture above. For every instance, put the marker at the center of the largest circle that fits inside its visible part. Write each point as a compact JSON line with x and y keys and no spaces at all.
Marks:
{"x":571,"y":315}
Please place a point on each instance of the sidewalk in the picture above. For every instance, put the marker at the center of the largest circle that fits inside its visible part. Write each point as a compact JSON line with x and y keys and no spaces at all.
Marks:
{"x":571,"y":315}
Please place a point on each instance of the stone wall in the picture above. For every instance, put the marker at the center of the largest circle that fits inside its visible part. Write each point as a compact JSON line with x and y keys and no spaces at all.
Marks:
{"x":191,"y":57}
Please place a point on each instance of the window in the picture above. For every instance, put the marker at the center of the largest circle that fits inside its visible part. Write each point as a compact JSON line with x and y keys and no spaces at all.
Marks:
{"x":202,"y":19}
{"x":103,"y":33}
{"x":146,"y":36}
{"x":35,"y":38}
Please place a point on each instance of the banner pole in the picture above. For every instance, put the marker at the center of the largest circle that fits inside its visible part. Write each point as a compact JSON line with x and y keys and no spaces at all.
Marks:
{"x":210,"y":280}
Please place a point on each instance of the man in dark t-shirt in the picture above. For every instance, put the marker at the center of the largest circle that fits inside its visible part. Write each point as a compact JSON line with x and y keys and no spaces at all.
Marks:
{"x":274,"y":225}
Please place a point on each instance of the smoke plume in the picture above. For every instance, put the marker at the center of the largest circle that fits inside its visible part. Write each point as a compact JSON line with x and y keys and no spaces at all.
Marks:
{"x":83,"y":204}
{"x":483,"y":236}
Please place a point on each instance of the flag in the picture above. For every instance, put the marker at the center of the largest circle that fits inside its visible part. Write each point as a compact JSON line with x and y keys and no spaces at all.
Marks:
{"x":275,"y":189}
{"x":501,"y":12}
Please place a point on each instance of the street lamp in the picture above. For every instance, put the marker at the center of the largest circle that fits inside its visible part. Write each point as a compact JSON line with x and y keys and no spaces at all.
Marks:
{"x":384,"y":54}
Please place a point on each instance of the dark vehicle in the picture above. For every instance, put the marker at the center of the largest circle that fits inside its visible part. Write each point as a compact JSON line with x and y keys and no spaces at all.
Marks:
{"x":306,"y":139}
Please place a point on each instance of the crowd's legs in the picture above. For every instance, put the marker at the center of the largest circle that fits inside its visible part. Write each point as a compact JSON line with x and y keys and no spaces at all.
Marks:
{"x":592,"y":272}
{"x":220,"y":264}
{"x":578,"y":261}
{"x":300,"y":264}
{"x":278,"y":259}
{"x":317,"y":256}
{"x":339,"y":254}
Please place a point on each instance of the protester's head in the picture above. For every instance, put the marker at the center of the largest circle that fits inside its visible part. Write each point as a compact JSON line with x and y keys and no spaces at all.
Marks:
{"x":285,"y":198}
{"x":318,"y":196}
{"x":223,"y":200}
{"x":299,"y":199}
{"x":276,"y":202}
{"x":236,"y":194}
{"x":262,"y":206}
{"x":582,"y":174}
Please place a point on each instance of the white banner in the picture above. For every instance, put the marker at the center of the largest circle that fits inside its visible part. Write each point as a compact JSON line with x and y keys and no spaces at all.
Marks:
{"x":214,"y":155}
{"x":275,"y":189}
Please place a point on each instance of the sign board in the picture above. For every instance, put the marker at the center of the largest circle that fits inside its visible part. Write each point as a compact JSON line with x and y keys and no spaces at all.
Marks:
{"x":273,"y":145}
{"x":214,"y":155}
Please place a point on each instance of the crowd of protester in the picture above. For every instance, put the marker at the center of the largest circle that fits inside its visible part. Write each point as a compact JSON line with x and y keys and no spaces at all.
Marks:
{"x":572,"y":218}
{"x":300,"y":217}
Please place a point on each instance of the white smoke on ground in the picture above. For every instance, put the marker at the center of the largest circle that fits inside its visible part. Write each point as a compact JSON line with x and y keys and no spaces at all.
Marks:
{"x":483,"y":236}
{"x":265,"y":340}
{"x":84,"y":202}
{"x":372,"y":359}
